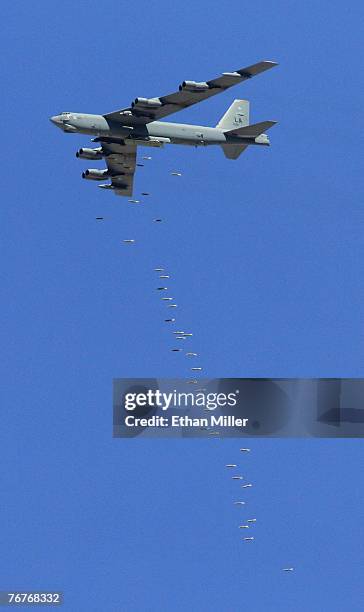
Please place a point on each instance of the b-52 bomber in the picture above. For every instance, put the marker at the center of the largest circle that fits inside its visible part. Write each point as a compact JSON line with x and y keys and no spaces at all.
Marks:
{"x":121,"y":132}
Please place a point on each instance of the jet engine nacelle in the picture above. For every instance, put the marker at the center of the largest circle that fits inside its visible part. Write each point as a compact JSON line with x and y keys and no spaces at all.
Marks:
{"x":94,"y":174}
{"x":147,"y":102}
{"x":193,"y":86}
{"x":89,"y":153}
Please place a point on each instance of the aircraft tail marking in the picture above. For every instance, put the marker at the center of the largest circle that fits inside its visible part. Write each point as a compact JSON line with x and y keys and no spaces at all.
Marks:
{"x":236,"y":116}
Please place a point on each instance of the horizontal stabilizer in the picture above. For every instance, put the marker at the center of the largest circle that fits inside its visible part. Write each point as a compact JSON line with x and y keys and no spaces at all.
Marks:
{"x":233,"y":151}
{"x":251,"y":131}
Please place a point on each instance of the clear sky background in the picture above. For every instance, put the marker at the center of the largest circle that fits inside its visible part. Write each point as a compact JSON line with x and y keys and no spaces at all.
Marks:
{"x":266,"y":255}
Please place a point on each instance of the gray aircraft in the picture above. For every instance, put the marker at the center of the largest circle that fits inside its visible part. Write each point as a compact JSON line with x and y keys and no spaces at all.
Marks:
{"x":121,"y":132}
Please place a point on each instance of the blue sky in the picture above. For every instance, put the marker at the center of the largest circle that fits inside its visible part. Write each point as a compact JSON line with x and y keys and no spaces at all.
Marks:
{"x":266,"y":255}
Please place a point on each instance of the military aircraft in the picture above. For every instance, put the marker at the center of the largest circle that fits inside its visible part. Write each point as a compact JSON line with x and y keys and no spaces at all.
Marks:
{"x":121,"y":132}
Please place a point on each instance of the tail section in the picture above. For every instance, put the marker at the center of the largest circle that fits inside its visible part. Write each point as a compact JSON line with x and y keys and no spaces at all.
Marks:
{"x":235,"y":124}
{"x":237,"y":116}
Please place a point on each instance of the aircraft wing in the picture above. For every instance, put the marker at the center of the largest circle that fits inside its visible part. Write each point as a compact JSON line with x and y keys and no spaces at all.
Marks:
{"x":145,"y":110}
{"x":121,"y":162}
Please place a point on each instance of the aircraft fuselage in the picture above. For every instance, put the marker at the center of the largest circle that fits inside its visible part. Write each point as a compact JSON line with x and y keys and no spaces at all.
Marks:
{"x":155,"y":133}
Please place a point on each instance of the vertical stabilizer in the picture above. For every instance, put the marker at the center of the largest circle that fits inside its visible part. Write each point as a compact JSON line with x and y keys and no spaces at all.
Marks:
{"x":236,"y":116}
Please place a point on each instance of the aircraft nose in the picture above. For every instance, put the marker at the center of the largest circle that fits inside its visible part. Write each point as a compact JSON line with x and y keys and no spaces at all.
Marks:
{"x":55,"y":119}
